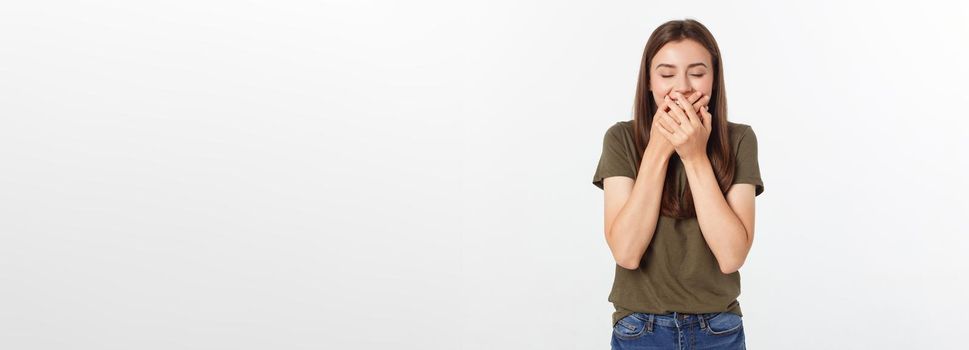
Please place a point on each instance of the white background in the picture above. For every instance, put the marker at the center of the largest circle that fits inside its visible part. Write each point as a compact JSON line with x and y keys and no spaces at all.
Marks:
{"x":417,"y":175}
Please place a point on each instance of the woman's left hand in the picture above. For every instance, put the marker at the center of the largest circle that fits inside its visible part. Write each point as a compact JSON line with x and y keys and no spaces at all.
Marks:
{"x":687,"y":131}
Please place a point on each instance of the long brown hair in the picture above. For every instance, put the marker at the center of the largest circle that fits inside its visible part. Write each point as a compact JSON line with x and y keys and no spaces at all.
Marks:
{"x":718,"y":145}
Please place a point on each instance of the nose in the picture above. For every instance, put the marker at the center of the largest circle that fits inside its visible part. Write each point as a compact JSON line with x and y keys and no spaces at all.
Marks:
{"x":685,"y":91}
{"x":684,"y":87}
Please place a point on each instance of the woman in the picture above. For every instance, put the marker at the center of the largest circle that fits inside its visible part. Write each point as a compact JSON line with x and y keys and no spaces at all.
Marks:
{"x":679,"y":183}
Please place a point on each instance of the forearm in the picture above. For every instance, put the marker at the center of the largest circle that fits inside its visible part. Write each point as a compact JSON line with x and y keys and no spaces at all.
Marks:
{"x":634,"y":225}
{"x":721,"y":227}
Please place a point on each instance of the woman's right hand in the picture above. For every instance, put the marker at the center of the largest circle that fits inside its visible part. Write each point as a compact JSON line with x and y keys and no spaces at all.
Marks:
{"x":657,"y":140}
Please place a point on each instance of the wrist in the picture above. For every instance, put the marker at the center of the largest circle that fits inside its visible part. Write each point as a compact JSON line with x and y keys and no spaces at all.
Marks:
{"x":652,"y":156}
{"x":696,"y":159}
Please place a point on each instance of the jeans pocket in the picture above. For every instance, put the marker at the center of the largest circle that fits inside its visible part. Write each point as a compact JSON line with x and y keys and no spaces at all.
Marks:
{"x":724,"y":323}
{"x":630,"y":327}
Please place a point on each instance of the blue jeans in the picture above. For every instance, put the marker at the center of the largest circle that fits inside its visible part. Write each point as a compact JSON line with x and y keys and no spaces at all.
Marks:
{"x":718,"y":330}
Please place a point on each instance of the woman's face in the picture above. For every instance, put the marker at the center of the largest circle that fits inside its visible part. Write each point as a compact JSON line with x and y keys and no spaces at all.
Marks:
{"x":682,"y":66}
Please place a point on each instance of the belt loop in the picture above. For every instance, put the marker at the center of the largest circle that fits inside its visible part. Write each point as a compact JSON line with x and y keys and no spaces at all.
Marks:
{"x":649,"y":324}
{"x":703,"y":321}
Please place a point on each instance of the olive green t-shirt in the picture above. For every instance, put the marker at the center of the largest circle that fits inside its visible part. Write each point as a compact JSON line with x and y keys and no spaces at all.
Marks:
{"x":678,"y":271}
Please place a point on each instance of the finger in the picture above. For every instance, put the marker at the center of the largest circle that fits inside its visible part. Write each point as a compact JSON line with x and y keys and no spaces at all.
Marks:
{"x":664,"y":128}
{"x":678,"y":118}
{"x":696,"y":95}
{"x":703,"y":101}
{"x":658,"y":121}
{"x":670,"y":104}
{"x":677,"y":112}
{"x":670,"y":118}
{"x":671,"y":122}
{"x":707,"y":117}
{"x":674,"y":126}
{"x":667,"y":103}
{"x":691,"y":116}
{"x":667,"y":121}
{"x":694,"y":100}
{"x":662,"y":121}
{"x":665,"y":133}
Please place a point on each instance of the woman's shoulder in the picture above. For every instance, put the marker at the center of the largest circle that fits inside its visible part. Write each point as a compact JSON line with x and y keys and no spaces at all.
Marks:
{"x":737,"y":127}
{"x":622,"y":126}
{"x":737,"y":130}
{"x":622,"y":129}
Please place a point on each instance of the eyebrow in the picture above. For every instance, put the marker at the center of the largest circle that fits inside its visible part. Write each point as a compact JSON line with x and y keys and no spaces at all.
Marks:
{"x":690,"y":66}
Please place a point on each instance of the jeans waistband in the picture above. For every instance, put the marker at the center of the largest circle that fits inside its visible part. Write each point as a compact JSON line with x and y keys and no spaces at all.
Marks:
{"x":674,"y":319}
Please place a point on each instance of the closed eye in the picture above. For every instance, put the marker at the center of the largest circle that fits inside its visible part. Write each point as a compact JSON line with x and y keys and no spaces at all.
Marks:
{"x":695,"y":75}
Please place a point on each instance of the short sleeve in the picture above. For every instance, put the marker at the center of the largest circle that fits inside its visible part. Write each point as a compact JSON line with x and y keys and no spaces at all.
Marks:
{"x":748,"y":169}
{"x":616,"y":158}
